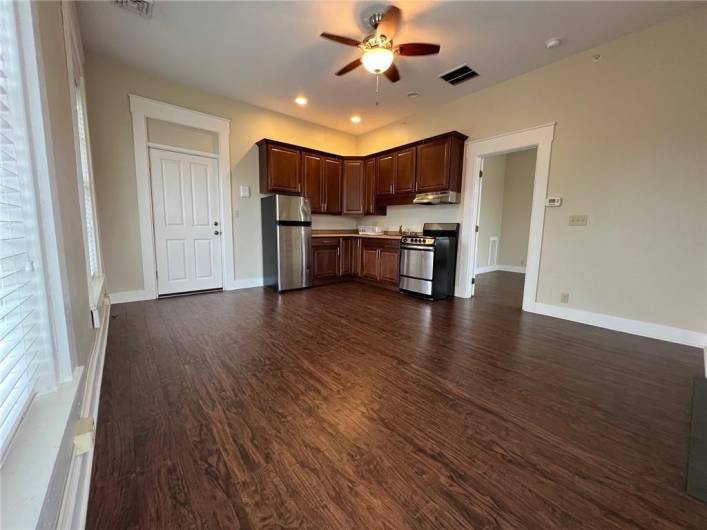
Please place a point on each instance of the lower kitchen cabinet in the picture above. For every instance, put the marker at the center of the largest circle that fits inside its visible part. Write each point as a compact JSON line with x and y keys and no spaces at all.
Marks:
{"x":373,"y":260}
{"x":325,"y":259}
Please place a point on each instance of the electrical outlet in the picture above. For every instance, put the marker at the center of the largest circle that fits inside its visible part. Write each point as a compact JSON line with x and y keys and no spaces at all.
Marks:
{"x":565,"y":298}
{"x":578,"y":220}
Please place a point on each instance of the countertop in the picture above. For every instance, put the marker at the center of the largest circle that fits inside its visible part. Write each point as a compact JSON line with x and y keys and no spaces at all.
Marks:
{"x":353,"y":234}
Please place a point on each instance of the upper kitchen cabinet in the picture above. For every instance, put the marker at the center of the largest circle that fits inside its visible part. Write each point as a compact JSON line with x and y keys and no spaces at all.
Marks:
{"x":353,"y":188}
{"x":439,"y":163}
{"x":280,"y":170}
{"x":369,"y":199}
{"x":385,"y":174}
{"x":312,"y":176}
{"x":404,"y":171}
{"x":332,"y":174}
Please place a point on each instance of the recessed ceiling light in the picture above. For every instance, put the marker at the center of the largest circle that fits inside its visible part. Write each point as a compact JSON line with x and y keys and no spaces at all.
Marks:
{"x":552,"y":43}
{"x":355,"y":118}
{"x":301,"y":101}
{"x":413,"y":95}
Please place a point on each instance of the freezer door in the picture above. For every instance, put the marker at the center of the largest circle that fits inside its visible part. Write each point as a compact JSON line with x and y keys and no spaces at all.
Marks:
{"x":292,"y":209}
{"x":294,"y":254}
{"x":417,"y":263}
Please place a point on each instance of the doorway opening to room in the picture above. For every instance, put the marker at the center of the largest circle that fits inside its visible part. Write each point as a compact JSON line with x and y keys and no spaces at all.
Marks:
{"x":505,"y":205}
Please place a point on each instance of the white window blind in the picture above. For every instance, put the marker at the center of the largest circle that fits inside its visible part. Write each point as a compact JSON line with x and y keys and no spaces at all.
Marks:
{"x":87,"y":183}
{"x":23,"y":321}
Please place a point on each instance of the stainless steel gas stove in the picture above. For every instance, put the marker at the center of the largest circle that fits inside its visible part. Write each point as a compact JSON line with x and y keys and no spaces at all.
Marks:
{"x":428,"y":262}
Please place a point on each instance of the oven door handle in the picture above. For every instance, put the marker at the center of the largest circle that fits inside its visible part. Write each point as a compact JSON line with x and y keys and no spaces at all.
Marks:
{"x":413,"y":247}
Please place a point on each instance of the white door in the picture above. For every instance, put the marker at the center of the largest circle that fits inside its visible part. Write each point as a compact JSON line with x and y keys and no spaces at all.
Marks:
{"x":186,"y":207}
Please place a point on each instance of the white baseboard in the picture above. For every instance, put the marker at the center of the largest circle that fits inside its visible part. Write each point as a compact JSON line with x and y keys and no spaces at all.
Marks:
{"x":246,"y":283}
{"x":626,"y":325}
{"x":75,"y":500}
{"x":505,"y":268}
{"x":130,"y":296}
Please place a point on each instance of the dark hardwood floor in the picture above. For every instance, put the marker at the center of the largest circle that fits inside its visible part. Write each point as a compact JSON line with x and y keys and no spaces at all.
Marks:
{"x":349,"y":406}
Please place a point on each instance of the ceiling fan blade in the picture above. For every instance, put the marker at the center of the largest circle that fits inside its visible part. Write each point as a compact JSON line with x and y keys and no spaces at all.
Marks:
{"x":417,"y":48}
{"x":341,"y":40}
{"x":392,"y":74}
{"x":351,"y":66}
{"x":388,"y":25}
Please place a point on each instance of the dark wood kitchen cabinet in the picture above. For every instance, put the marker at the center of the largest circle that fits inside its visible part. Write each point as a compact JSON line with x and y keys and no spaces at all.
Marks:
{"x":347,"y":258}
{"x":279,"y":169}
{"x":439,"y":163}
{"x":312,"y":175}
{"x":404,"y":171}
{"x":332,"y":172}
{"x":353,"y":187}
{"x":385,"y":174}
{"x":380,"y":260}
{"x":325,"y":259}
{"x":370,"y":206}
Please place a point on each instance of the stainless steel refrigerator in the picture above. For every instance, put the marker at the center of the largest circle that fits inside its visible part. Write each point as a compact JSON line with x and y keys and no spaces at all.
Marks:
{"x":287,"y":238}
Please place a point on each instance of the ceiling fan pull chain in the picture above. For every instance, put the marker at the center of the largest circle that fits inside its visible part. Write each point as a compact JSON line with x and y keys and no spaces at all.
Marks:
{"x":378,"y":78}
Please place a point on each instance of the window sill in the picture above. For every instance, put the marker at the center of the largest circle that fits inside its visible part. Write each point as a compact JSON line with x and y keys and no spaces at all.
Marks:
{"x":27,"y":470}
{"x":95,"y":290}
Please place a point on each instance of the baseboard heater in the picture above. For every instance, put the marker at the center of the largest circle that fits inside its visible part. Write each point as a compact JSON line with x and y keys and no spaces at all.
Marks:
{"x":697,"y":460}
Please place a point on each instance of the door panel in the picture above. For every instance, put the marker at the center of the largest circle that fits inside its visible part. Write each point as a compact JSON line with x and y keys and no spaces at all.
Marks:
{"x":293,"y":248}
{"x":370,"y":263}
{"x":370,"y":189}
{"x":417,"y":263}
{"x":186,"y":204}
{"x":353,"y":187}
{"x":389,"y":265}
{"x":405,"y":171}
{"x":385,"y":174}
{"x":332,"y":185}
{"x":312,"y":168}
{"x":283,"y":169}
{"x":325,"y":262}
{"x":433,"y":165}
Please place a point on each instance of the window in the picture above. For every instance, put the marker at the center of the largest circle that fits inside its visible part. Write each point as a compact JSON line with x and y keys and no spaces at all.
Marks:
{"x":24,"y":343}
{"x":87,"y":186}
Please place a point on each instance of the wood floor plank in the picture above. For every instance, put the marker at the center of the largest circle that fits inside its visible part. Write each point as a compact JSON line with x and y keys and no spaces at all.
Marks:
{"x":349,"y":406}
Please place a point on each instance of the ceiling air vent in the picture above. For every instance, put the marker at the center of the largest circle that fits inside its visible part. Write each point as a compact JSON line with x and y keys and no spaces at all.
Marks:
{"x":141,"y":7}
{"x":459,"y":75}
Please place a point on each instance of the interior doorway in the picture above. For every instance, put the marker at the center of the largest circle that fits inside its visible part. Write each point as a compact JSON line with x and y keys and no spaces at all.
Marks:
{"x":186,"y":217}
{"x":505,"y":204}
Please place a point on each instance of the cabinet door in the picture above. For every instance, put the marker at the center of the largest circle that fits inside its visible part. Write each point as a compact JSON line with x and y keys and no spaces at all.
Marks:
{"x":312,"y":176}
{"x":346,"y":259}
{"x":353,"y":187}
{"x":385,"y":174}
{"x":325,"y":262}
{"x":405,"y":171}
{"x":370,"y":187}
{"x":390,"y":265}
{"x":370,"y":262}
{"x":433,"y":165}
{"x":283,"y":166}
{"x":332,"y":185}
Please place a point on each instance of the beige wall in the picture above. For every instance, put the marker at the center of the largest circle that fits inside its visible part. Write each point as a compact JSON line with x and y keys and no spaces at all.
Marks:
{"x":517,"y":203}
{"x":629,"y":151}
{"x":51,"y":36}
{"x":108,"y":84}
{"x":491,"y":214}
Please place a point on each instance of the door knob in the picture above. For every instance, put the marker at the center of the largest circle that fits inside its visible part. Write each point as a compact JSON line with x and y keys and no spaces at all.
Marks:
{"x":216,"y":232}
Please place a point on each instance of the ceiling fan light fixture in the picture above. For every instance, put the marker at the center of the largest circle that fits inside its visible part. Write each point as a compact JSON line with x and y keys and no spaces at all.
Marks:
{"x":377,"y":60}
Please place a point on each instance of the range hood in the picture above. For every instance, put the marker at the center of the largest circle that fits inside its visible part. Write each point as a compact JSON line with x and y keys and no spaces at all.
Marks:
{"x":437,"y":197}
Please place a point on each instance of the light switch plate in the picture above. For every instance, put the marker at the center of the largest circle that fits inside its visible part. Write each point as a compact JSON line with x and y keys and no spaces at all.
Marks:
{"x":245,"y":191}
{"x":579,"y":220}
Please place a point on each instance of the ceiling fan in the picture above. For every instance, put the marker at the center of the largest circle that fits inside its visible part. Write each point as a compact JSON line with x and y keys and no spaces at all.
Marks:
{"x":378,"y":48}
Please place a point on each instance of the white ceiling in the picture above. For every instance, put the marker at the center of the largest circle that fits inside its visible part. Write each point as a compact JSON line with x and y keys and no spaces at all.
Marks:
{"x":266,"y":53}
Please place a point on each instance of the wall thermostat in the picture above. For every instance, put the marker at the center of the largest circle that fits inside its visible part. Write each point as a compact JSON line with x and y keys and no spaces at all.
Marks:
{"x":553,"y":202}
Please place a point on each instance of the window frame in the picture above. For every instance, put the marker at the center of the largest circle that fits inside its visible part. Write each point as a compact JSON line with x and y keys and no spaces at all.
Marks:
{"x":77,"y":91}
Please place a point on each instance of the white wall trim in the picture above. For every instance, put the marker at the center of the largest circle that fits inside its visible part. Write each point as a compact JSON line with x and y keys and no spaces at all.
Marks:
{"x":182,"y":150}
{"x":130,"y":296}
{"x":539,"y":137}
{"x":626,"y":325}
{"x":505,"y":268}
{"x":247,"y":283}
{"x":75,"y":499}
{"x":141,"y":109}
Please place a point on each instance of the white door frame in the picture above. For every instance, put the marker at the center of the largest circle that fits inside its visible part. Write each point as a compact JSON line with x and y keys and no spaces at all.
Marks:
{"x":141,"y":109}
{"x":539,"y":137}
